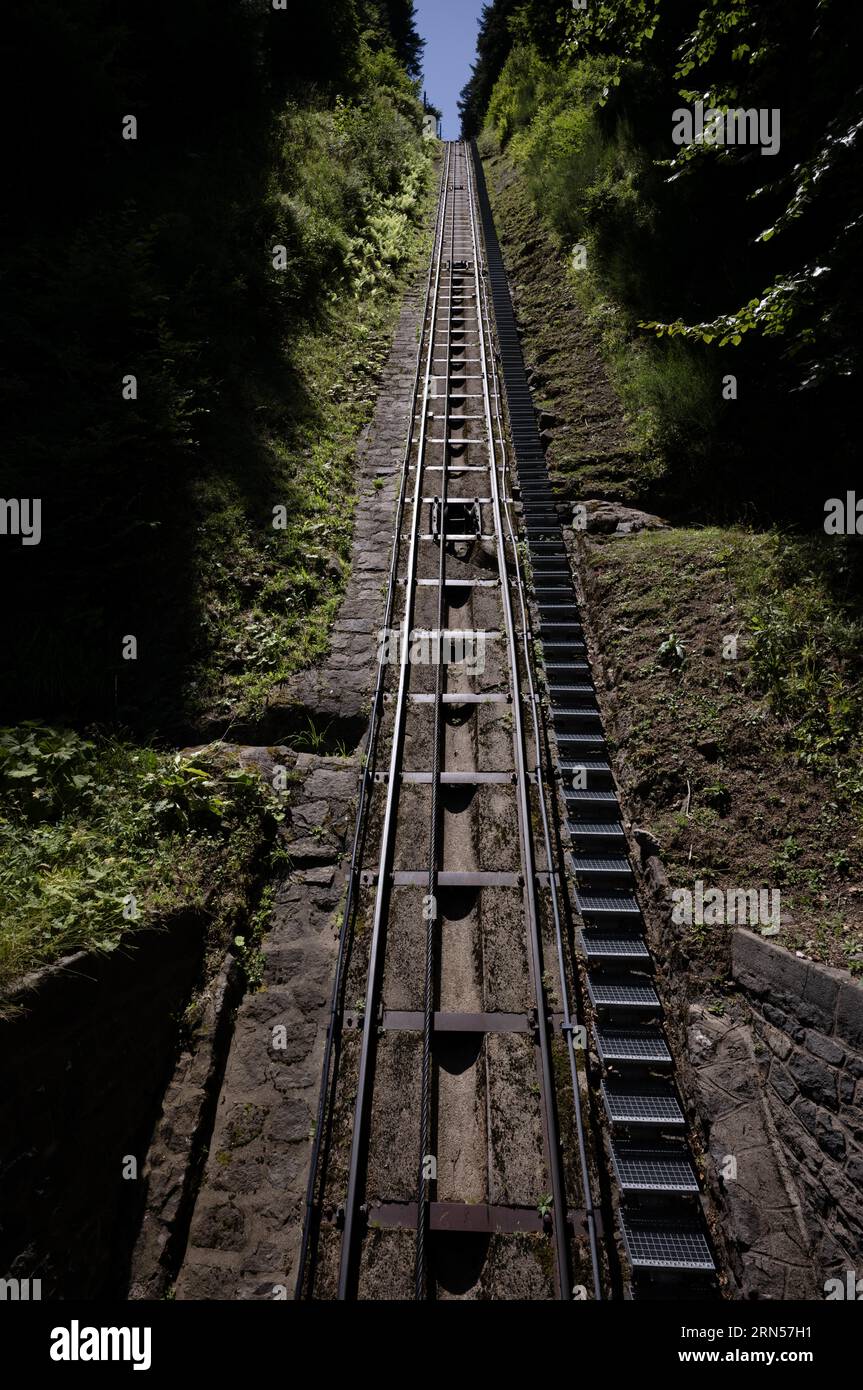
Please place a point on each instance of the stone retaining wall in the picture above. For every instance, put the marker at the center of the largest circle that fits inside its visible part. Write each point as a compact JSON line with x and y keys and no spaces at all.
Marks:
{"x":777,"y":1083}
{"x":808,"y":1022}
{"x":82,"y":1071}
{"x":247,"y":1224}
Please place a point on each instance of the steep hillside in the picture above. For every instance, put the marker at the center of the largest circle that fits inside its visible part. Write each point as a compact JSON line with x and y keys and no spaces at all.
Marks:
{"x":728,"y":631}
{"x":200,"y":290}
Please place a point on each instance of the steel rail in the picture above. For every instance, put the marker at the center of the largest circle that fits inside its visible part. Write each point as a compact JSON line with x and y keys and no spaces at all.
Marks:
{"x":366,"y":782}
{"x":553,"y":1148}
{"x":568,"y":1016}
{"x":346,"y":1262}
{"x":430,"y":907}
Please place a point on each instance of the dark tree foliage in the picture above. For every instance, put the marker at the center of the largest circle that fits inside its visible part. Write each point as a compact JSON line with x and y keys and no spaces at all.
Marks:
{"x":497,"y":33}
{"x":493,"y":46}
{"x":399,"y":19}
{"x":148,"y":257}
{"x":749,"y":263}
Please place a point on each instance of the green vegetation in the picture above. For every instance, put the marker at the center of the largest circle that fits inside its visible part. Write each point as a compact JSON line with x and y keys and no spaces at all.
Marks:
{"x":266,"y":596}
{"x":199,"y":318}
{"x":700,"y":261}
{"x":746,"y":767}
{"x":805,"y":633}
{"x":159,"y":258}
{"x":722,"y":289}
{"x":98,"y":837}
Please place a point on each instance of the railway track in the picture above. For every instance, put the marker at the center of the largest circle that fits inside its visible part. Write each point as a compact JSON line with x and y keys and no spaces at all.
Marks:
{"x":459,"y":1151}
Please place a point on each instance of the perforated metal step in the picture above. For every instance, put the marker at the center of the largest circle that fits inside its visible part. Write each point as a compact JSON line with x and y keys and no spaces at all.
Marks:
{"x":590,"y":833}
{"x":559,"y":612}
{"x":569,"y":742}
{"x":645,"y":1046}
{"x":606,"y":904}
{"x":666,"y":1245}
{"x":561,"y":646}
{"x":594,"y":770}
{"x":577,"y":714}
{"x":594,"y":868}
{"x":615,"y":946}
{"x":592,"y":805}
{"x":659,"y":1168}
{"x":654,"y":1106}
{"x":621,"y":991}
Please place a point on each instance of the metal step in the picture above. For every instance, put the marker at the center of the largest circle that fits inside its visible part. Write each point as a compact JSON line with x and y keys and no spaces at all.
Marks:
{"x":574,"y":698}
{"x":665,"y":1245}
{"x":660,"y":1168}
{"x":565,"y":648}
{"x":609,"y":991}
{"x":607,"y":905}
{"x":570,"y":743}
{"x":591,"y":804}
{"x":567,"y":668}
{"x":591,"y":868}
{"x":637,"y":1046}
{"x":575,"y":714}
{"x":616,"y":946}
{"x":596,"y":769}
{"x":655,"y":1106}
{"x":587,"y":833}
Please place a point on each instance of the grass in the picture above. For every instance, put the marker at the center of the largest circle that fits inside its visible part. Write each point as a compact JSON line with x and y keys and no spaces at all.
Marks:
{"x":256,"y":373}
{"x":588,"y":182}
{"x":99,"y":838}
{"x":746,"y":768}
{"x":267,"y":594}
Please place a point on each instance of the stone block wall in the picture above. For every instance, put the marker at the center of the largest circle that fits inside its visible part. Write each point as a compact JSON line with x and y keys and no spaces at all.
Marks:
{"x":83,"y":1067}
{"x":807,"y":1031}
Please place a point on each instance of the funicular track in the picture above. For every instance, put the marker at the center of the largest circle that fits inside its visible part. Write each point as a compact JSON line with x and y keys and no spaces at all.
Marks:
{"x":453,"y":1153}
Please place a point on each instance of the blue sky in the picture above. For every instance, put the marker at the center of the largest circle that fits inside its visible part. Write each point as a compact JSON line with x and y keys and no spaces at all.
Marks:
{"x":449,"y":28}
